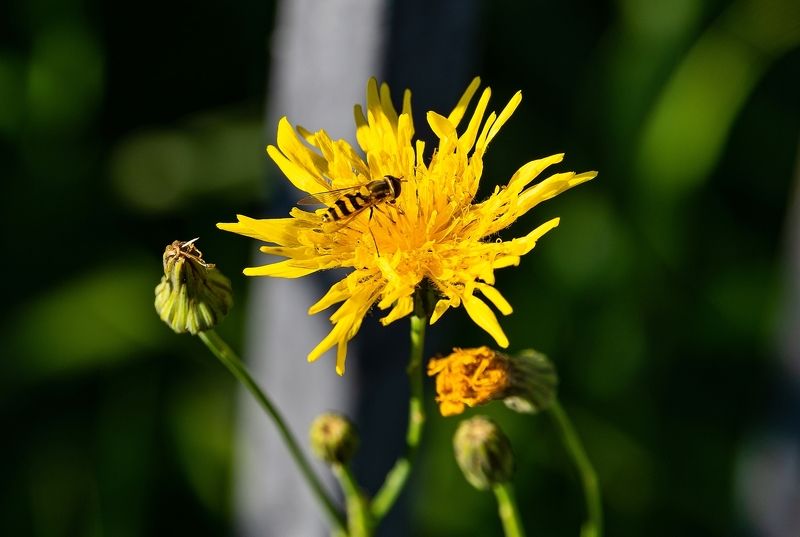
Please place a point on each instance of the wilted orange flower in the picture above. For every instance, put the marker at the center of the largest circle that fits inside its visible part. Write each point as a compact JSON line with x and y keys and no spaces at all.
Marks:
{"x":525,"y":382}
{"x":469,"y":377}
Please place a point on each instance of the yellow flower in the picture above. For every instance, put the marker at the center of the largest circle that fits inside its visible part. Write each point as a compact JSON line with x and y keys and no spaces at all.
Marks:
{"x":432,"y":231}
{"x":470,"y":377}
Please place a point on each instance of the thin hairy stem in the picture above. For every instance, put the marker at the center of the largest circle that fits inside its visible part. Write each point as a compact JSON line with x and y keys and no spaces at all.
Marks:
{"x":593,"y":527}
{"x":398,"y":475}
{"x":507,"y":509}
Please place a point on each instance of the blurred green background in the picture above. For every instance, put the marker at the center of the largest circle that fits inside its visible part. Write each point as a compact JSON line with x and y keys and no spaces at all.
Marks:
{"x":125,"y":126}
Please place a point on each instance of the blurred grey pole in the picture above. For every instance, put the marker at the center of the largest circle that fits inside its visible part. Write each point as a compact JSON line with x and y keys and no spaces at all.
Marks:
{"x":769,"y":476}
{"x":323,"y":53}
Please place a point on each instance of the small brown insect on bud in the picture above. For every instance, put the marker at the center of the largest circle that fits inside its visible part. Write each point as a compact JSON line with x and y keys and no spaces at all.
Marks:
{"x":193,"y":295}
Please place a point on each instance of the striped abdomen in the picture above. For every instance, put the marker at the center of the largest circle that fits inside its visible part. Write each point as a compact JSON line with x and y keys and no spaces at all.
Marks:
{"x":345,"y":206}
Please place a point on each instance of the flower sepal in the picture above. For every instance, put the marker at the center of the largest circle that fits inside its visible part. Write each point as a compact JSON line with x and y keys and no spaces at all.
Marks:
{"x":534,"y":383}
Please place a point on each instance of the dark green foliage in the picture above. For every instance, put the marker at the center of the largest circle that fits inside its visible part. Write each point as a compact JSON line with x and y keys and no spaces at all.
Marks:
{"x":658,"y":297}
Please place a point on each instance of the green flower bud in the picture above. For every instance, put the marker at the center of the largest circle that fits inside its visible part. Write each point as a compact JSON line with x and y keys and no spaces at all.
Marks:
{"x":533,"y":382}
{"x":483,"y":452}
{"x":334,"y":438}
{"x":193,"y":295}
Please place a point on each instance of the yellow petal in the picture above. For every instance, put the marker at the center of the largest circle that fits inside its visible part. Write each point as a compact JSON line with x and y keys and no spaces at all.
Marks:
{"x":525,"y":244}
{"x":402,"y":307}
{"x":326,"y":147}
{"x":387,"y":269}
{"x":362,"y":128}
{"x":506,"y":261}
{"x":480,"y":145}
{"x":305,"y":219}
{"x":386,"y":104}
{"x":282,"y":269}
{"x":301,"y":253}
{"x":550,"y":187}
{"x":299,"y":153}
{"x":356,"y":306}
{"x":407,"y":106}
{"x":495,"y":298}
{"x":504,"y":115}
{"x":299,"y":177}
{"x":373,"y":97}
{"x":405,"y":133}
{"x":467,"y":140}
{"x":337,"y":293}
{"x":441,"y":306}
{"x":484,"y":317}
{"x":441,"y":126}
{"x":528,"y":172}
{"x":461,"y":107}
{"x":307,"y":135}
{"x":327,"y":342}
{"x":341,"y":356}
{"x":282,"y":231}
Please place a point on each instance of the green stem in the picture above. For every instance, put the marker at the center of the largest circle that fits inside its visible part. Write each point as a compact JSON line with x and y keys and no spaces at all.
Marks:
{"x":398,"y":475}
{"x":358,"y":516}
{"x":593,"y":527}
{"x":229,"y":359}
{"x":507,"y":509}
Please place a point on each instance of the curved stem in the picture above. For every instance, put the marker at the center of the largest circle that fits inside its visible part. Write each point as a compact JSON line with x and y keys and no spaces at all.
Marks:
{"x":358,"y":516}
{"x":398,"y":475}
{"x":593,"y":527}
{"x":507,"y":509}
{"x":231,"y":361}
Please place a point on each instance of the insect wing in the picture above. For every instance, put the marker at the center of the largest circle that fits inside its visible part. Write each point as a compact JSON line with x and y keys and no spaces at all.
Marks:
{"x":328,"y":197}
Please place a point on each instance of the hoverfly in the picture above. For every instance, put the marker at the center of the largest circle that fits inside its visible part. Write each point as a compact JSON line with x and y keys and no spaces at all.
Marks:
{"x":345,"y":203}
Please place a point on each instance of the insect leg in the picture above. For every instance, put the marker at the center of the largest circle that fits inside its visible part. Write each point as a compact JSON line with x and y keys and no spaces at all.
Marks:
{"x":374,"y":240}
{"x":379,"y":208}
{"x":396,"y":208}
